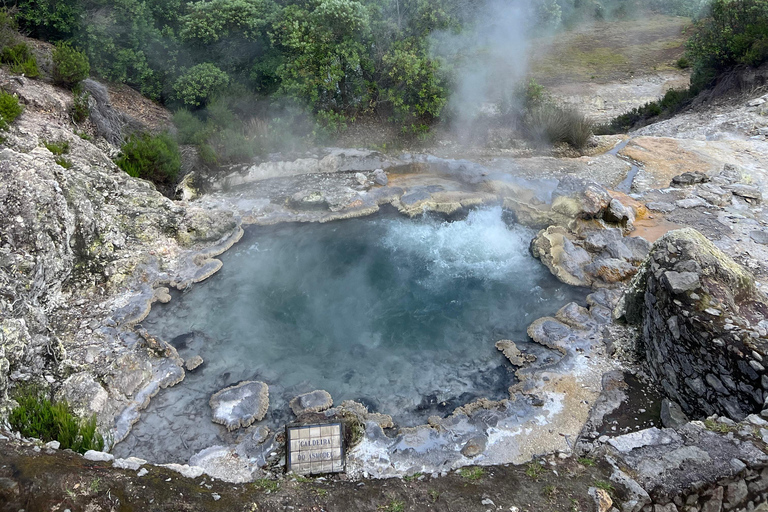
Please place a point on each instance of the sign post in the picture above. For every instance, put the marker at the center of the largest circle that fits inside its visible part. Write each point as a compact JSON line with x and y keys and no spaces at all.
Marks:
{"x":315,"y":449}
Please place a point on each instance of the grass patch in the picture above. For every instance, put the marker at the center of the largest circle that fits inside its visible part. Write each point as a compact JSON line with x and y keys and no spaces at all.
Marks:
{"x":472,"y":474}
{"x":39,"y":417}
{"x":63,"y":162}
{"x":10,"y":109}
{"x":411,"y":478}
{"x":716,"y":426}
{"x":84,"y":136}
{"x":266,"y":485}
{"x":606,"y":486}
{"x":434,"y":495}
{"x":534,"y":470}
{"x":57,"y":148}
{"x":586,"y":461}
{"x":393,"y":506}
{"x":553,"y":124}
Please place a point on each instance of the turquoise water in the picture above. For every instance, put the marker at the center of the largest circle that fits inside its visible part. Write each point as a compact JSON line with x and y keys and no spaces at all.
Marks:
{"x":397,"y":313}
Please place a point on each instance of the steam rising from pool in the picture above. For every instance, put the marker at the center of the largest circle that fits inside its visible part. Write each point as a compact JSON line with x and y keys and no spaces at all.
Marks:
{"x":399,"y":314}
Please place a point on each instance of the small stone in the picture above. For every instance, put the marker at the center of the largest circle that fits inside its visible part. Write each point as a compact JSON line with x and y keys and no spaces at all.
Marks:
{"x":142,"y":472}
{"x":474,"y":447}
{"x":488,"y":502}
{"x":132,"y":463}
{"x":380,"y":177}
{"x":97,"y":456}
{"x":603,"y":501}
{"x":193,"y":362}
{"x":53,"y":445}
{"x":361,"y":178}
{"x":757,"y":420}
{"x":736,"y":492}
{"x":681,"y":282}
{"x":660,"y":207}
{"x":737,"y":466}
{"x":215,"y":496}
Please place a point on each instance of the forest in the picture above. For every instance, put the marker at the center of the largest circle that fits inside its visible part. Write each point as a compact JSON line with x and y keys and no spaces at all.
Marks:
{"x":313,"y":66}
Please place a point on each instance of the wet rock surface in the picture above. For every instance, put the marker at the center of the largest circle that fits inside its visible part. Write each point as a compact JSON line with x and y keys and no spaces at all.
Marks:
{"x":240,"y":405}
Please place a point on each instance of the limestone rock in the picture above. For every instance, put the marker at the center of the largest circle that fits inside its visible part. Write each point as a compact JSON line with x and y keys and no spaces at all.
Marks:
{"x":240,"y":405}
{"x":308,"y":200}
{"x":512,"y":353}
{"x":380,"y":177}
{"x":314,"y":401}
{"x":84,"y":394}
{"x":750,"y":192}
{"x":97,"y":456}
{"x":579,"y":198}
{"x":564,"y":259}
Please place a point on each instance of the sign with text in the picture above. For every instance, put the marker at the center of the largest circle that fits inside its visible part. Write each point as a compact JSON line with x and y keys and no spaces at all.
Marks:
{"x":315,"y":449}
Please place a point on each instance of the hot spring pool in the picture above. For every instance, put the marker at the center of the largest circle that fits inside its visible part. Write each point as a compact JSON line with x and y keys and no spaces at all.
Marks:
{"x":399,"y":314}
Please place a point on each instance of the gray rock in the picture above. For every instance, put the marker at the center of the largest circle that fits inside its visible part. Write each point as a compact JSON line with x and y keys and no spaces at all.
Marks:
{"x":689,"y":178}
{"x":314,"y":401}
{"x":474,"y":447}
{"x":746,"y":191}
{"x":193,"y":363}
{"x":672,"y":415}
{"x":132,"y":463}
{"x":660,"y":207}
{"x":681,"y":282}
{"x":308,"y":200}
{"x":97,"y":456}
{"x":760,"y":237}
{"x":240,"y":405}
{"x":380,"y":177}
{"x":617,"y":213}
{"x":53,"y":445}
{"x":691,"y":202}
{"x":736,"y":492}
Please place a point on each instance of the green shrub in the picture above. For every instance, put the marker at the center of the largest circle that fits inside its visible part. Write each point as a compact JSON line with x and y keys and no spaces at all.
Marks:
{"x":550,"y":123}
{"x":80,"y":108}
{"x":57,"y":148}
{"x":21,"y":60}
{"x":10,"y":109}
{"x":70,"y":66}
{"x":190,"y":128}
{"x":8,"y":35}
{"x":152,"y":157}
{"x":734,"y":33}
{"x":39,"y":417}
{"x":198,"y":84}
{"x":683,"y":63}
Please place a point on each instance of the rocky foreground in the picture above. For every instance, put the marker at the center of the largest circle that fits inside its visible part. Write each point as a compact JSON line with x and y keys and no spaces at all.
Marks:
{"x":86,"y":250}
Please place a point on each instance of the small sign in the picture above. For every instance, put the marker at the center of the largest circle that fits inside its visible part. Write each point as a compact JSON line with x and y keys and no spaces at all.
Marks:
{"x":315,"y":449}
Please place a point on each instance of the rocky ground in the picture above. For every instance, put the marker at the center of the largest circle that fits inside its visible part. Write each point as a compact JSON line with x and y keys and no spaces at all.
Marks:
{"x":86,"y":250}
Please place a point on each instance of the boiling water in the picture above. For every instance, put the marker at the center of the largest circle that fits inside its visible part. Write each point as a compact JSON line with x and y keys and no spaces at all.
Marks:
{"x":399,"y":314}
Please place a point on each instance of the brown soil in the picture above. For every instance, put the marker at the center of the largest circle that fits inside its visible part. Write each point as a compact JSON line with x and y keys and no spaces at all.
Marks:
{"x":63,"y":480}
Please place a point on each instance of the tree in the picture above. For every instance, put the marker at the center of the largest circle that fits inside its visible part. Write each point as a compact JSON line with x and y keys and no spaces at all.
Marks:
{"x":197,"y":86}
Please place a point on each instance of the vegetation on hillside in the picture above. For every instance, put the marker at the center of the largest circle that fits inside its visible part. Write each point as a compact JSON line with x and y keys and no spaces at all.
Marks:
{"x":728,"y":35}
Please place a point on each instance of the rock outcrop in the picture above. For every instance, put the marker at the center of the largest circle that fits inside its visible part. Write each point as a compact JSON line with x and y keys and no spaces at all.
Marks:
{"x":704,"y":326}
{"x":82,"y":250}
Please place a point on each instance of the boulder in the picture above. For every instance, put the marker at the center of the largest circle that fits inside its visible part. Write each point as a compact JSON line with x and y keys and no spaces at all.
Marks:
{"x":511,"y":352}
{"x":578,"y":198}
{"x":672,"y":415}
{"x":240,"y":405}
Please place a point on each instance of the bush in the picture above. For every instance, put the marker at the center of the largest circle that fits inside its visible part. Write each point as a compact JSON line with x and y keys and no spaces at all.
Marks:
{"x":152,"y":157}
{"x":70,"y":66}
{"x":9,"y":109}
{"x":199,"y":84}
{"x":7,"y":29}
{"x":21,"y":60}
{"x":553,"y":124}
{"x":734,"y":33}
{"x":57,"y":148}
{"x":80,"y":108}
{"x":37,"y":416}
{"x":190,"y":129}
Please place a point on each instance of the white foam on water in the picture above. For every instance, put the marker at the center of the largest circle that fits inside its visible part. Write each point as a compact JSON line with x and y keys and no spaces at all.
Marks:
{"x":481,"y":246}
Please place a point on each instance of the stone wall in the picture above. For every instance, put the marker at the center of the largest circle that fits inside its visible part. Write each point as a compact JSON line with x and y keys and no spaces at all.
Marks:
{"x":703,"y":326}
